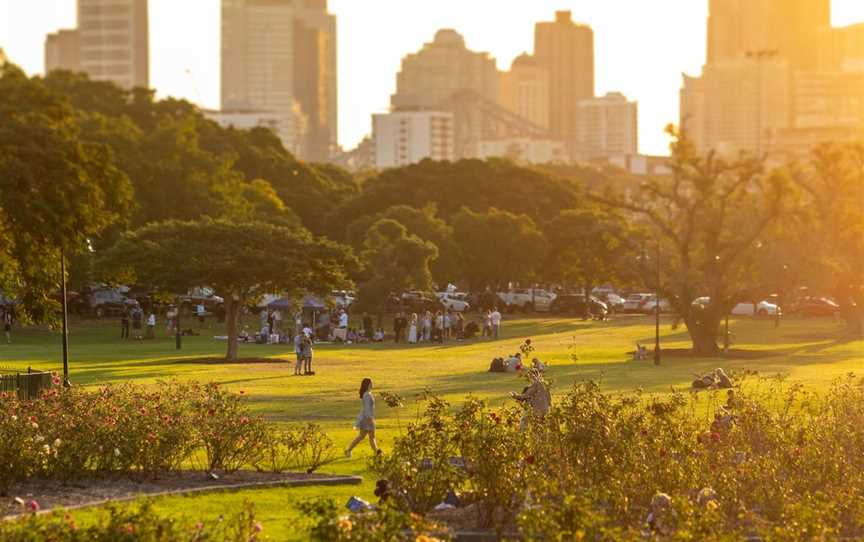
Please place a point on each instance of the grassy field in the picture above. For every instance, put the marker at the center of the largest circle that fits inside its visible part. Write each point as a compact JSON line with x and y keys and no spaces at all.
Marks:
{"x":812,"y":351}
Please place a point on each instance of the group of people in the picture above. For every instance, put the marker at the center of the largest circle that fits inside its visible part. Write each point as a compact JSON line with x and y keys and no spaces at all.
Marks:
{"x":135,"y":317}
{"x":443,"y":326}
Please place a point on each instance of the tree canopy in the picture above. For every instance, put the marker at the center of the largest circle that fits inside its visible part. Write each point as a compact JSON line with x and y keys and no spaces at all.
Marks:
{"x":240,"y":261}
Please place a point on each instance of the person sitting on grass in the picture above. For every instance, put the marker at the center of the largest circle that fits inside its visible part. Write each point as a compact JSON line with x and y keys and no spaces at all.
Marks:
{"x":379,"y":335}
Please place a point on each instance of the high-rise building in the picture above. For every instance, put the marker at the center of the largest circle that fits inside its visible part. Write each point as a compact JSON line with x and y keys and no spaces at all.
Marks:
{"x":525,"y":90}
{"x":442,"y":69}
{"x":407,"y":137}
{"x":278,"y":56}
{"x":566,"y":50}
{"x":114,"y":41}
{"x":794,"y":29}
{"x":287,"y":128}
{"x":63,"y":51}
{"x":315,"y":81}
{"x":737,"y":105}
{"x":607,"y":127}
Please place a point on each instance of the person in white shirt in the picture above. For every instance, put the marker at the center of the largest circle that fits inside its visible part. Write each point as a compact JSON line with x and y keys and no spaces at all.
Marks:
{"x":151,"y":326}
{"x":495,"y":319}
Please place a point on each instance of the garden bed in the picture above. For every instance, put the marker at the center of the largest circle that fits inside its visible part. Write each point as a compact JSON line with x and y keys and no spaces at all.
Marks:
{"x":50,"y":494}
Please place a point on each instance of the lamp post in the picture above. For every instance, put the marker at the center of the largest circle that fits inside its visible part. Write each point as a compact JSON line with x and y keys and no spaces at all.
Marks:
{"x":65,"y":317}
{"x":657,"y":312}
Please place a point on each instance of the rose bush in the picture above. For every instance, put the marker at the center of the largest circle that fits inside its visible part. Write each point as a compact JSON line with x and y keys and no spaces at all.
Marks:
{"x":298,"y":448}
{"x":767,"y":460}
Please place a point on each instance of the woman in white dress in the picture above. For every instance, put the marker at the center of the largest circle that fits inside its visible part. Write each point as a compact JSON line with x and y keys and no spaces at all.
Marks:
{"x":365,"y":423}
{"x":427,"y":327}
{"x":412,"y":330}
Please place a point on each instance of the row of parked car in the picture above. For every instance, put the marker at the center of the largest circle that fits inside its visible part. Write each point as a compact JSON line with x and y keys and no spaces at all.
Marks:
{"x":808,"y":306}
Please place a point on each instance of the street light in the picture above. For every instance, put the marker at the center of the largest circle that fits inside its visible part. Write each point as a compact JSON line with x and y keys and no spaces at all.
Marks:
{"x":65,"y":316}
{"x":657,"y":312}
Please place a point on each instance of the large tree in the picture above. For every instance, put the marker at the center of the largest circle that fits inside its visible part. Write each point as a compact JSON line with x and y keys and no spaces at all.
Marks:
{"x":710,"y":218}
{"x":395,"y":261}
{"x":497,"y":247}
{"x":240,"y":261}
{"x":831,"y":242}
{"x":588,"y":247}
{"x":55,"y":190}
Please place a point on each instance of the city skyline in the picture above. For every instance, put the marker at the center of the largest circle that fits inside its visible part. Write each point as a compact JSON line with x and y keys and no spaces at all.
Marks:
{"x":647,"y":69}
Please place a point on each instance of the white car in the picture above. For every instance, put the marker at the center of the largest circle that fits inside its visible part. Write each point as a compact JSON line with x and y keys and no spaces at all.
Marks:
{"x":454,"y":301}
{"x":763,"y":308}
{"x":650,"y":306}
{"x":525,"y":299}
{"x":635,"y":302}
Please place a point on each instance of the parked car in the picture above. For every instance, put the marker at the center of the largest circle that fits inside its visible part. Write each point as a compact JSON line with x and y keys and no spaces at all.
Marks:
{"x":815,"y":306}
{"x":635,"y":302}
{"x":651,"y":305}
{"x":454,"y":301}
{"x":108,"y":302}
{"x":763,"y":308}
{"x":527,"y":299}
{"x":414,"y":301}
{"x":343,"y":299}
{"x":575,"y":304}
{"x":614,"y":301}
{"x":483,"y":301}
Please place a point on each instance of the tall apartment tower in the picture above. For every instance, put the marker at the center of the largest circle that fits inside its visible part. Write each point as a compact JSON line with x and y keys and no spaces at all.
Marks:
{"x":608,"y":127}
{"x":63,"y":51}
{"x":794,"y":29}
{"x":279,"y":56}
{"x":566,"y":50}
{"x":525,"y":90}
{"x":114,"y":43}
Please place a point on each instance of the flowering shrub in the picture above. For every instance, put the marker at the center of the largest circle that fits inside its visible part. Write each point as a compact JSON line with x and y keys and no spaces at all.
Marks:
{"x":231,"y":437}
{"x":382,"y":525}
{"x":768,"y":460}
{"x":132,"y":524}
{"x":72,"y":434}
{"x":305,"y":447}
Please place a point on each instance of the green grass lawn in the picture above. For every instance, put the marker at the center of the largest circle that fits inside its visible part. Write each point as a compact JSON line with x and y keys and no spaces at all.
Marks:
{"x":812,"y":351}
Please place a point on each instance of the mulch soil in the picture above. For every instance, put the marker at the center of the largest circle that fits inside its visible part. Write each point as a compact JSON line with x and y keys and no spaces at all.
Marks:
{"x":52,"y":494}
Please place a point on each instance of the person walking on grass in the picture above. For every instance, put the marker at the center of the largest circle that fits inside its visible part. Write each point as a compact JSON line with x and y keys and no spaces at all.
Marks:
{"x":124,"y":324}
{"x":365,"y":423}
{"x":298,"y":351}
{"x":495,"y":320}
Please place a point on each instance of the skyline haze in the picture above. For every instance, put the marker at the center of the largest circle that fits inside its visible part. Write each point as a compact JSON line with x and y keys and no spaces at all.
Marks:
{"x":640,"y":50}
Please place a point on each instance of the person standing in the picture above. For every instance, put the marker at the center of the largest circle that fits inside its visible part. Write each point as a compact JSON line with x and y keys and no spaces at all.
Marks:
{"x":427,"y":326}
{"x":137,"y":321}
{"x":8,"y":320}
{"x":537,"y":396}
{"x":151,"y":325}
{"x":124,"y":323}
{"x":448,"y":324}
{"x":298,"y":351}
{"x":398,"y":326}
{"x":487,"y":323}
{"x":412,"y":329}
{"x":365,"y":423}
{"x":307,"y":355}
{"x":495,"y":320}
{"x":459,"y":327}
{"x":367,"y":325}
{"x":201,"y":312}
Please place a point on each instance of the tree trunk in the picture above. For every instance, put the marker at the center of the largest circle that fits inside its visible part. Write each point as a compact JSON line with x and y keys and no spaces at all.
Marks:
{"x":587,"y":310}
{"x":704,"y":330}
{"x":232,"y":313}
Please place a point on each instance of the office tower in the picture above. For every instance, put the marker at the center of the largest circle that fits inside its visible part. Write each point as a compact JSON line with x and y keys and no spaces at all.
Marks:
{"x":607,"y":127}
{"x":794,"y":29}
{"x":737,"y":105}
{"x":442,"y":69}
{"x":407,"y":137}
{"x":280,"y":56}
{"x":113,"y":41}
{"x":63,"y":51}
{"x":566,"y":50}
{"x":315,"y":78}
{"x":525,"y":90}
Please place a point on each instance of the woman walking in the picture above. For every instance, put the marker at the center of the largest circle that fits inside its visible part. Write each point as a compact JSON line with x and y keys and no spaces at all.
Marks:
{"x":366,"y":420}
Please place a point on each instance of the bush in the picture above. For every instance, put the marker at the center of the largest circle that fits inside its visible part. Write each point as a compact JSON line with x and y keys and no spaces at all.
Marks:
{"x":381,"y":525}
{"x":138,"y":523}
{"x":768,"y":460}
{"x":300,"y":448}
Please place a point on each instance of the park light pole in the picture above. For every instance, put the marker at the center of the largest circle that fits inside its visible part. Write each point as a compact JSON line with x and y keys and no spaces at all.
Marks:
{"x":657,"y":312}
{"x":65,"y":317}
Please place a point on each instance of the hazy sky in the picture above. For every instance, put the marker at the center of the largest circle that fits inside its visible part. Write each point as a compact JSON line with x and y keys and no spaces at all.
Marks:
{"x":642,"y":46}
